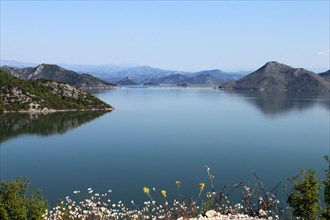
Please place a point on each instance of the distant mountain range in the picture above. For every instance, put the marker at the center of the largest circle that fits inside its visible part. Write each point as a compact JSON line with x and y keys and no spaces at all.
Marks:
{"x":103,"y":68}
{"x":140,"y":74}
{"x":144,"y":74}
{"x":55,"y":72}
{"x":163,"y":77}
{"x":150,"y":75}
{"x":274,"y":76}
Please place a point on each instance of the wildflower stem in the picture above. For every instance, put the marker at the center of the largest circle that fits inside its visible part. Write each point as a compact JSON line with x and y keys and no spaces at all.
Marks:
{"x":179,"y":194}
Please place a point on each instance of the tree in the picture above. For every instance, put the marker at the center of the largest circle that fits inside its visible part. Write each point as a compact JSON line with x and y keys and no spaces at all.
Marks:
{"x":17,"y":203}
{"x":304,"y":195}
{"x":326,"y":191}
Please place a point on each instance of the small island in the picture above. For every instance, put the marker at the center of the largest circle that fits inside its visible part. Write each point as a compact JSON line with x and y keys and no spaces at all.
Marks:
{"x":42,"y":95}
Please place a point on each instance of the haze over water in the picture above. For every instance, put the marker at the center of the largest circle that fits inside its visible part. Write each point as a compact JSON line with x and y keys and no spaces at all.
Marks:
{"x":158,"y":135}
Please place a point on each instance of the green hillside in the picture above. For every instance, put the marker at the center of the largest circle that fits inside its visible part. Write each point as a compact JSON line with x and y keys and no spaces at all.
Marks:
{"x":44,"y":95}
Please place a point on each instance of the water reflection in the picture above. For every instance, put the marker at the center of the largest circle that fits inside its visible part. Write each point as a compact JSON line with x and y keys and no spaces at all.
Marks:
{"x":272,"y":104}
{"x":15,"y":124}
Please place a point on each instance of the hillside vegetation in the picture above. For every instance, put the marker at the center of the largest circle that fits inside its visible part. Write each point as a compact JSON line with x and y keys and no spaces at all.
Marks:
{"x":44,"y":95}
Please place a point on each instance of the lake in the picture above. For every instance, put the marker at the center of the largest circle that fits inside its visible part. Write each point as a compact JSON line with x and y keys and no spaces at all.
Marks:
{"x":156,"y":136}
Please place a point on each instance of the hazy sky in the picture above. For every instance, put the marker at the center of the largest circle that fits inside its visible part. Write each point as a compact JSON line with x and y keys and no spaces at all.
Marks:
{"x":186,"y":35}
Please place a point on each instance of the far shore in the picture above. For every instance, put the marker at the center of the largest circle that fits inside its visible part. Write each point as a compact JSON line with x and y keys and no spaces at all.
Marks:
{"x":167,"y":86}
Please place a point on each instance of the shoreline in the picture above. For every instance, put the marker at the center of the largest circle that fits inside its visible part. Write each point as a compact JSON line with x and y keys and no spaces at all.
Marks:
{"x":58,"y":110}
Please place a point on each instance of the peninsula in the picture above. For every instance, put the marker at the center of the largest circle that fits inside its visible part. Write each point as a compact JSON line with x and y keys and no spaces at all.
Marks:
{"x":42,"y":95}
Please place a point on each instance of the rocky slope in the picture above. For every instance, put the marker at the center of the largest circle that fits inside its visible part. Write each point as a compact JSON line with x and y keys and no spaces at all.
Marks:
{"x":325,"y":75}
{"x":44,"y":96}
{"x":57,"y":73}
{"x":274,"y":76}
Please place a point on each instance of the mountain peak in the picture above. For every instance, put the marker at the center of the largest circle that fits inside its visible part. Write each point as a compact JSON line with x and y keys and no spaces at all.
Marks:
{"x":273,"y":67}
{"x":46,"y":65}
{"x":274,"y":63}
{"x":275,"y":76}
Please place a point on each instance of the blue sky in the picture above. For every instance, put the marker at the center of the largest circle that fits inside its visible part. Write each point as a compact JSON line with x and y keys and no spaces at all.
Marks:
{"x":185,"y":35}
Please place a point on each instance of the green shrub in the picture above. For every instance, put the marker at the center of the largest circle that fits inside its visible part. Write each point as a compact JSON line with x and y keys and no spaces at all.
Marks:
{"x":304,"y":196}
{"x":17,"y":203}
{"x":326,"y":197}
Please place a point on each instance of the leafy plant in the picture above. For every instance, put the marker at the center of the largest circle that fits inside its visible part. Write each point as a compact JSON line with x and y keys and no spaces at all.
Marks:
{"x":304,"y":196}
{"x":326,"y":196}
{"x":17,"y":203}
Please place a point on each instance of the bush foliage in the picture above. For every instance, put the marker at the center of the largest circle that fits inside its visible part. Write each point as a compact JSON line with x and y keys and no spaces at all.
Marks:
{"x":304,"y":196}
{"x":17,"y":201}
{"x":326,"y":196}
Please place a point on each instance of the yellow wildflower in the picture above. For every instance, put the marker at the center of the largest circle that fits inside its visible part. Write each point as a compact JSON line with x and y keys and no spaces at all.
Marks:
{"x":146,"y":190}
{"x":201,"y":186}
{"x":135,"y":216}
{"x":163,"y":193}
{"x":177,"y":183}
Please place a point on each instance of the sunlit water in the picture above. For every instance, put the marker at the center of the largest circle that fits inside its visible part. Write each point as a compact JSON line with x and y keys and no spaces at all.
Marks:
{"x":156,"y":136}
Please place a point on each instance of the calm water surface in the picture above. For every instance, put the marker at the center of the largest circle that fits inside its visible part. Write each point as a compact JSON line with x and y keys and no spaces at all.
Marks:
{"x":158,"y":135}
